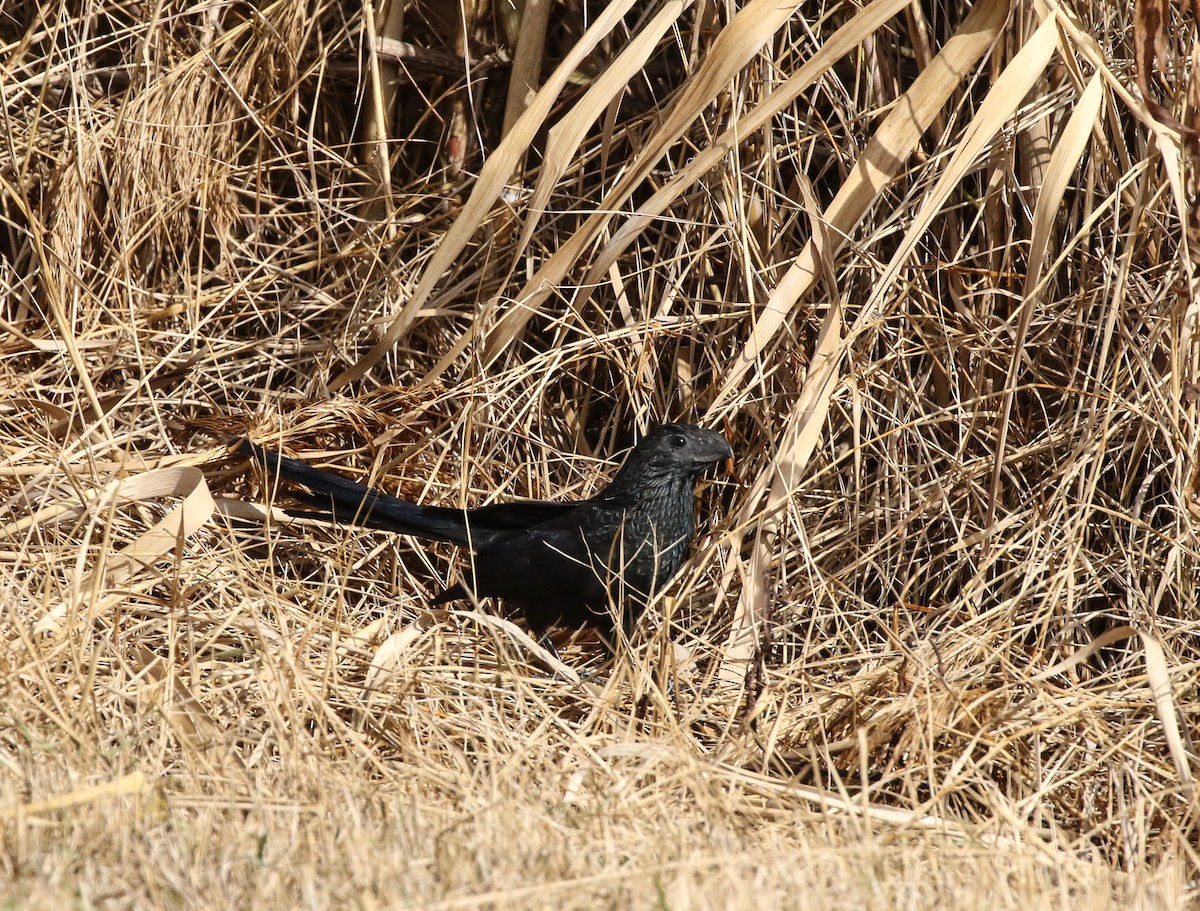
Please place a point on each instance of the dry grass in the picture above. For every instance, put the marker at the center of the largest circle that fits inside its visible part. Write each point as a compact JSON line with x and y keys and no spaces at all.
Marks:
{"x":928,"y":267}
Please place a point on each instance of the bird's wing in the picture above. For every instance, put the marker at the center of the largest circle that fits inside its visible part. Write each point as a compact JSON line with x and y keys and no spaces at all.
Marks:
{"x":519,"y":514}
{"x":546,"y":571}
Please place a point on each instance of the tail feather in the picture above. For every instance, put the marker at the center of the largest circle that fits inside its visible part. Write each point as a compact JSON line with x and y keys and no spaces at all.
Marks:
{"x":346,"y":501}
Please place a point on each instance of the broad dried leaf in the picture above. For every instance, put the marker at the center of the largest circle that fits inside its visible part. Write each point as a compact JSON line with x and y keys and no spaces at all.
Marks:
{"x":493,"y":180}
{"x":164,"y":537}
{"x":1150,"y":48}
{"x":879,"y":163}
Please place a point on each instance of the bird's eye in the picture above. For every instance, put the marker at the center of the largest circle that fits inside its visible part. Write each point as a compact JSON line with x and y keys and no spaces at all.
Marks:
{"x":678,"y":442}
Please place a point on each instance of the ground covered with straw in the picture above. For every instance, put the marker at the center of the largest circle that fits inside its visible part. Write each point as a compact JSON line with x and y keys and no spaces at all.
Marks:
{"x":928,"y":266}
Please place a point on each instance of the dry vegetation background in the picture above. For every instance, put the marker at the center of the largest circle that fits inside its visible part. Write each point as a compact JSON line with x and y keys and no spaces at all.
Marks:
{"x":926,"y":264}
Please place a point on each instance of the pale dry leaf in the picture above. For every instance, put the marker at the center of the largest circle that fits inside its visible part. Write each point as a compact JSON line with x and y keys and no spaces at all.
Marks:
{"x":738,"y":42}
{"x":164,"y":537}
{"x":883,"y":158}
{"x":565,"y":136}
{"x":1159,"y":675}
{"x":391,"y":654}
{"x":493,"y":180}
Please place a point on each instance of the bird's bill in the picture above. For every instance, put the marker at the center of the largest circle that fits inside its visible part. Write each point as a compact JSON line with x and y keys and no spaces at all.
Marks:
{"x":716,"y":450}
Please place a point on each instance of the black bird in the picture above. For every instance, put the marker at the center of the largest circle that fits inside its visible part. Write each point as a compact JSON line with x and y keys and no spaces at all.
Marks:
{"x":568,"y":564}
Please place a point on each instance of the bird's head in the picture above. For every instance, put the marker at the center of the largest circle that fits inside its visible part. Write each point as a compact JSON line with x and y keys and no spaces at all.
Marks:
{"x":673,"y":450}
{"x":685,"y":446}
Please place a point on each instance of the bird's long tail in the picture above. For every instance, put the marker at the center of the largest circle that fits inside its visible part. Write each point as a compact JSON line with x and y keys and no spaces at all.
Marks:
{"x":342,"y":500}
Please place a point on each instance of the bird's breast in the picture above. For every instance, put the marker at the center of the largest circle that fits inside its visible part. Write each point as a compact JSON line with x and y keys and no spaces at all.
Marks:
{"x":647,"y":540}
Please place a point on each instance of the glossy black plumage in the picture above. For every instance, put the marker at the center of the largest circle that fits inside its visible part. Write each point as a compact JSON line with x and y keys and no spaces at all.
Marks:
{"x":558,"y":563}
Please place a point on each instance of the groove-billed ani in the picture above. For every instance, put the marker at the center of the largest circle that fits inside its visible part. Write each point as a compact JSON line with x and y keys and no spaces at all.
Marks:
{"x":563,"y":564}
